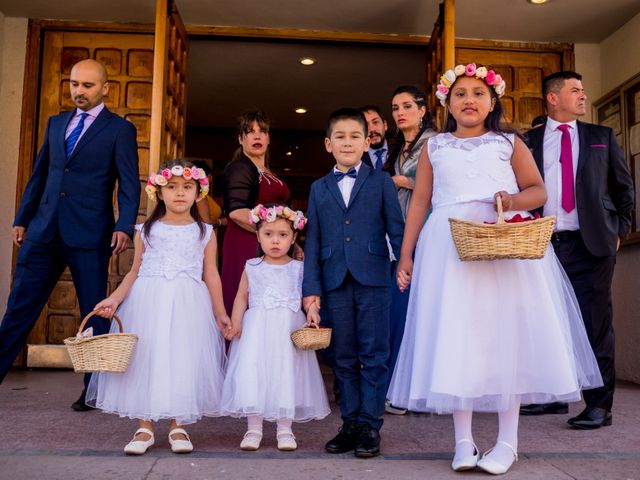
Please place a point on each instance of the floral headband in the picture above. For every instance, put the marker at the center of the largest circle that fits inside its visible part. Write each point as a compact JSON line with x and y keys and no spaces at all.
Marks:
{"x":490,"y":77}
{"x":260,"y":213}
{"x":188,"y":173}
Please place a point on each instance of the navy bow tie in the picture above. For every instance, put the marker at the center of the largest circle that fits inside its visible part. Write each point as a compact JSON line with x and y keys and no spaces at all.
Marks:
{"x":350,"y":173}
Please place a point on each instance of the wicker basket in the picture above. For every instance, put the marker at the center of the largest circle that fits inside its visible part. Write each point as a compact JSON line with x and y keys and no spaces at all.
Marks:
{"x":311,"y":338}
{"x":522,"y":240}
{"x":103,"y":353}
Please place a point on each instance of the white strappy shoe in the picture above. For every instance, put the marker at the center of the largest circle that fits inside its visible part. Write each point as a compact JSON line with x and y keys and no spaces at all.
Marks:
{"x":180,"y":446}
{"x":489,"y":465}
{"x":465,"y":463}
{"x":251,"y":440}
{"x":286,"y":441}
{"x":139,"y":447}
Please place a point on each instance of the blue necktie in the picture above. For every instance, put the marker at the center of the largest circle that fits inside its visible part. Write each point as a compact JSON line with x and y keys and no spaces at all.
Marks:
{"x":379,"y":153}
{"x":73,"y":137}
{"x":350,"y":173}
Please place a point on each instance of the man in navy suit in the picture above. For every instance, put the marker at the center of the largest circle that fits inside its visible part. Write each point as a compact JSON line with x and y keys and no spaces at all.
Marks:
{"x":346,"y":263}
{"x":591,"y":194}
{"x":378,"y":151}
{"x":65,"y":218}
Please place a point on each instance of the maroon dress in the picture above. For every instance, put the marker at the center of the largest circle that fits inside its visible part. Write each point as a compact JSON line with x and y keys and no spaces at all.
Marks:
{"x":240,"y":245}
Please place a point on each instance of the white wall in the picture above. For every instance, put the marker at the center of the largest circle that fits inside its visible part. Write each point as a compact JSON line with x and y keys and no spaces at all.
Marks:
{"x":13,"y":42}
{"x":587,"y":59}
{"x":622,"y":59}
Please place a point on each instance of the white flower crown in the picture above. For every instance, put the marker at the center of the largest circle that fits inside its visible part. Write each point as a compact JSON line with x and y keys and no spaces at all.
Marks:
{"x":490,"y":77}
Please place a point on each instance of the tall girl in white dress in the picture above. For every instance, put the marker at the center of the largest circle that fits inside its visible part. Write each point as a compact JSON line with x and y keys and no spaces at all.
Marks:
{"x":267,"y":377}
{"x":168,"y":299}
{"x":484,"y":335}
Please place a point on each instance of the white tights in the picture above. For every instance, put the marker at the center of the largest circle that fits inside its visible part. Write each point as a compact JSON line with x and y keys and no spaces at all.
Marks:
{"x":507,"y":432}
{"x":254,"y":423}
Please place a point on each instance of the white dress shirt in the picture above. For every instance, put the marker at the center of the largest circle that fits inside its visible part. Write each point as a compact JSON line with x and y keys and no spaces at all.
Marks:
{"x":346,"y":184}
{"x":93,"y":114}
{"x":553,"y":173}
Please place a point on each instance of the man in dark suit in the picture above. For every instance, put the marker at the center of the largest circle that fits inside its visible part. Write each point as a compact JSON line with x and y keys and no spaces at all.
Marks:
{"x":65,"y":218}
{"x":591,"y":193}
{"x":378,"y":151}
{"x":346,"y":262}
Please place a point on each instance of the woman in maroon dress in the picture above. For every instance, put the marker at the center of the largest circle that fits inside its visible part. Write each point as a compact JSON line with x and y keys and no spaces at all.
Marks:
{"x":247,"y":182}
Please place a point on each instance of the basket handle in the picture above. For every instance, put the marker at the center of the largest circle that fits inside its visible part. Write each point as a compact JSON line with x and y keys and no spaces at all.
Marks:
{"x":95,"y":312}
{"x":499,"y":205}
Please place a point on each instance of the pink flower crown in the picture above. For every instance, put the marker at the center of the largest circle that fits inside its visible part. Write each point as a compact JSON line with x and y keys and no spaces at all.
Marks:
{"x":188,"y":173}
{"x":490,"y":77}
{"x":260,"y":213}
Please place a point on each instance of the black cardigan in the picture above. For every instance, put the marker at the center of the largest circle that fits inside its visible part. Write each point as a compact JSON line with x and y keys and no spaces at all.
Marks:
{"x":241,"y":181}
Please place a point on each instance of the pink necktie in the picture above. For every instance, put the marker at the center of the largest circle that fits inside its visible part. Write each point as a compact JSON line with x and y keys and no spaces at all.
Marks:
{"x":566,"y":161}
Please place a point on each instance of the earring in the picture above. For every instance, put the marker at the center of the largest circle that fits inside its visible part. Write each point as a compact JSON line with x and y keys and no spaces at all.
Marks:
{"x":420,"y":125}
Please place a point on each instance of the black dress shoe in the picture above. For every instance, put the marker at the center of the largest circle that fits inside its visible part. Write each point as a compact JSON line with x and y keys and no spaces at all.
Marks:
{"x":368,"y":442}
{"x":345,"y":440}
{"x":79,"y":405}
{"x":545,"y":408}
{"x":591,"y":418}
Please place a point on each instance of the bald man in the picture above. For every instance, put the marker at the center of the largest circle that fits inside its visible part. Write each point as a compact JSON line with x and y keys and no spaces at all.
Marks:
{"x":65,"y":218}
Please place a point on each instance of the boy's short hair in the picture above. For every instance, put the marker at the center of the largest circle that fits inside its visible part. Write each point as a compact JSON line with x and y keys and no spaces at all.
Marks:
{"x":347,"y":114}
{"x":554,"y":82}
{"x":372,"y":108}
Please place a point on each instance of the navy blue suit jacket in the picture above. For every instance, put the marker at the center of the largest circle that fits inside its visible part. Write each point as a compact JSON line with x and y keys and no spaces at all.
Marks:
{"x":74,"y":197}
{"x":341,"y":238}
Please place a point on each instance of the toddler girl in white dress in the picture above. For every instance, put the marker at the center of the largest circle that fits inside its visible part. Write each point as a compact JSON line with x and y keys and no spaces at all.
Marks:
{"x":267,"y":377}
{"x":168,"y":299}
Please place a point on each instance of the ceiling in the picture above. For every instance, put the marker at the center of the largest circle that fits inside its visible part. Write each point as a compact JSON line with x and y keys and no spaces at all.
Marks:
{"x":558,"y":20}
{"x":227,"y":76}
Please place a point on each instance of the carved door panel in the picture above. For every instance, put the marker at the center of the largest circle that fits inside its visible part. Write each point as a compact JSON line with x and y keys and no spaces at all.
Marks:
{"x":128,"y":59}
{"x":168,"y":119}
{"x":522,"y":70}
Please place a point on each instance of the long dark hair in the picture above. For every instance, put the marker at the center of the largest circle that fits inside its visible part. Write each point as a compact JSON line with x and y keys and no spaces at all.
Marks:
{"x":245,"y":123}
{"x":494,"y":121}
{"x":161,"y":208}
{"x":420,"y":98}
{"x":260,"y":224}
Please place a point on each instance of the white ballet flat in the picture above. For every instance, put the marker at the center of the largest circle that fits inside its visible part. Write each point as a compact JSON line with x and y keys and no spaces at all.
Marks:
{"x":489,"y":465}
{"x":286,"y":441}
{"x":251,"y":440}
{"x":180,"y":446}
{"x":139,"y":447}
{"x":465,"y":463}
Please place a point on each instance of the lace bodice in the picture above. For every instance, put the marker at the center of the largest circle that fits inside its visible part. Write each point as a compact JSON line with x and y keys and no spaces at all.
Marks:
{"x":273,"y":286}
{"x":471,"y":169}
{"x":171,"y":250}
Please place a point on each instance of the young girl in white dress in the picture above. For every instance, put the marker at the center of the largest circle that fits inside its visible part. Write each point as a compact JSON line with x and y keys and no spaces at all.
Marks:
{"x":176,"y":371}
{"x":267,"y":377}
{"x":482,"y":335}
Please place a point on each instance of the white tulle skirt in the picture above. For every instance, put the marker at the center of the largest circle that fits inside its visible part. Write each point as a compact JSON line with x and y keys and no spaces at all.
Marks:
{"x":267,"y":376}
{"x":177,"y":368}
{"x":481,"y":335}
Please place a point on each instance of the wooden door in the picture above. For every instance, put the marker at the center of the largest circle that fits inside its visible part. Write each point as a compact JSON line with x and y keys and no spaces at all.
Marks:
{"x":522,"y":66}
{"x":128,"y":59}
{"x":168,"y":121}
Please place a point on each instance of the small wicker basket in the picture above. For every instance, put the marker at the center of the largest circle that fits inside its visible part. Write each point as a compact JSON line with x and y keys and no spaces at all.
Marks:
{"x":522,"y":240}
{"x":103,"y":353}
{"x":311,"y":338}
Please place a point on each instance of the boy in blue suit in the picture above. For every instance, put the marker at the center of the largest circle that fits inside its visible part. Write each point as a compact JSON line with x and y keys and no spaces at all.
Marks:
{"x":346,"y":263}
